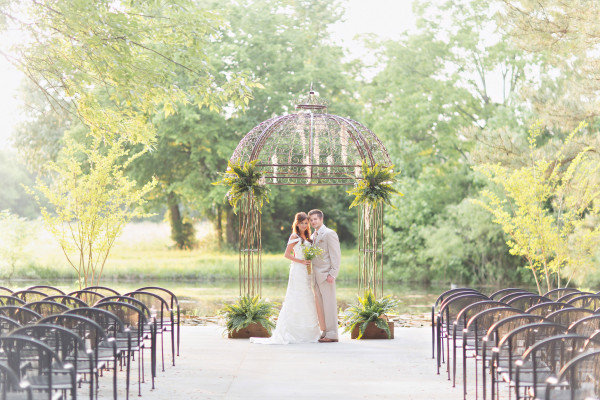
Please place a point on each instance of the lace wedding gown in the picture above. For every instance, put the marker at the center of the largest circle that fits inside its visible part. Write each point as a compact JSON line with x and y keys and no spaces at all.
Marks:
{"x":298,"y":321}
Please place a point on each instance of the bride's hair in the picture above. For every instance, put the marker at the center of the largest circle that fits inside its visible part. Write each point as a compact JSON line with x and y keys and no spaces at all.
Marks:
{"x":301,"y":217}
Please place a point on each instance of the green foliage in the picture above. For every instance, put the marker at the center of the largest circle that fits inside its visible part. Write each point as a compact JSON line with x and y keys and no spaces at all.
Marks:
{"x":245,"y":180}
{"x":246,"y":311}
{"x":369,"y":310}
{"x":16,"y":235}
{"x":549,"y":208}
{"x":117,"y":63}
{"x":91,"y":199}
{"x":375,"y":186}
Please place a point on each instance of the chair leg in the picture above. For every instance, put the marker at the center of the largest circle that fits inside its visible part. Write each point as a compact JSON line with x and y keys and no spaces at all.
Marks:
{"x":173,"y":341}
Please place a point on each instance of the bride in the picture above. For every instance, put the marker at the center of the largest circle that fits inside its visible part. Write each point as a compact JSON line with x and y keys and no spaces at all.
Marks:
{"x":297,"y":322}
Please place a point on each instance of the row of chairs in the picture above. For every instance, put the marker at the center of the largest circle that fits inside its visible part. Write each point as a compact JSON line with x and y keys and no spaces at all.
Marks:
{"x":539,"y":345}
{"x":50,"y":340}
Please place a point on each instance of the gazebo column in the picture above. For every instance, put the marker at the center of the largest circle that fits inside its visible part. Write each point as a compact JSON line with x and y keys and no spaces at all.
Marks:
{"x":250,"y":247}
{"x":370,"y":249}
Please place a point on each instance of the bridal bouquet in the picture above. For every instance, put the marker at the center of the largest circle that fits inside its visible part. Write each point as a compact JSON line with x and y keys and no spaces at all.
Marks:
{"x":310,"y":253}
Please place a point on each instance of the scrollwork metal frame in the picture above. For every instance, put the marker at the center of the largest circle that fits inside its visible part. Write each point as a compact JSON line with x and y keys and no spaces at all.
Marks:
{"x":311,"y":148}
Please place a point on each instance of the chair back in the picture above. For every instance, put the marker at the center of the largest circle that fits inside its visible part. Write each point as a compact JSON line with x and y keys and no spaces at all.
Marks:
{"x":568,"y":296}
{"x":69,"y":301}
{"x":22,"y":315}
{"x":567,"y":316}
{"x":503,"y":292}
{"x":88,"y":296}
{"x":103,"y":290}
{"x":49,"y":290}
{"x":555,"y":294}
{"x":544,"y":309}
{"x":30,"y":295}
{"x":8,"y":300}
{"x":46,"y":308}
{"x":578,"y":378}
{"x":525,"y":301}
{"x":586,"y":326}
{"x":588,"y":301}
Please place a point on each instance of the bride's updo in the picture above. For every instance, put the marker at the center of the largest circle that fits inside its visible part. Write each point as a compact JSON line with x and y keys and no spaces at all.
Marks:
{"x":301,"y":217}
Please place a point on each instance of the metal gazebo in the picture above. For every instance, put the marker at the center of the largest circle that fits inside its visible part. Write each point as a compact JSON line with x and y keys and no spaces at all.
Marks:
{"x":311,"y":147}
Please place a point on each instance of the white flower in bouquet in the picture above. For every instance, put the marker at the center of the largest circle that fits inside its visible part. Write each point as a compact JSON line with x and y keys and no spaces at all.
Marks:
{"x":310,"y":253}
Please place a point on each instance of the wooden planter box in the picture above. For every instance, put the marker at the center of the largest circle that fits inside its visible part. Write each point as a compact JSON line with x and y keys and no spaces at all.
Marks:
{"x":373,"y":332}
{"x":252,"y":330}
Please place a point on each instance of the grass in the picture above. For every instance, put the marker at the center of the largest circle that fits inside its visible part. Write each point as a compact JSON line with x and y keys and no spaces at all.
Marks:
{"x":203,"y":279}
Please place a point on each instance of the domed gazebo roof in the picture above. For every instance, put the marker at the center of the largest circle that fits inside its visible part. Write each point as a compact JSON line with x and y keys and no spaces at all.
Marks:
{"x":311,"y":147}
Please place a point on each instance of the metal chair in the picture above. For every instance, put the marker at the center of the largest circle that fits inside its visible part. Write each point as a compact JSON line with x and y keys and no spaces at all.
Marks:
{"x":46,"y":308}
{"x":449,"y":310}
{"x":49,"y":290}
{"x":589,"y":301}
{"x":115,"y":330}
{"x":173,"y":302}
{"x":544,"y":309}
{"x":513,"y":345}
{"x":567,"y":316}
{"x":7,"y":300}
{"x":103,"y":290}
{"x":543,"y":360}
{"x":525,"y":301}
{"x":135,"y":319}
{"x":67,"y":345}
{"x":30,"y":295}
{"x":495,"y":333}
{"x":103,"y":347}
{"x":11,"y":387}
{"x":475,"y":329}
{"x":503,"y":292}
{"x":462,"y":319}
{"x":7,"y":325}
{"x":569,"y":296}
{"x":509,"y":296}
{"x":5,"y":290}
{"x":22,"y":315}
{"x":69,"y":301}
{"x":88,"y":296}
{"x":435,"y":307}
{"x":159,"y":310}
{"x":35,"y":362}
{"x":586,"y":326}
{"x":578,"y":379}
{"x":555,"y":294}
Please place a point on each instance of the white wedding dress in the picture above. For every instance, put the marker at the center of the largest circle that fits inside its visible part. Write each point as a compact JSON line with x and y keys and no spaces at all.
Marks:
{"x":298,"y":321}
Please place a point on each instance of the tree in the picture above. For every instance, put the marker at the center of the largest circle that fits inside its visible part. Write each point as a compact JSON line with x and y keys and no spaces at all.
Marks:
{"x":429,"y":104}
{"x":115,"y":63}
{"x":549,"y":208}
{"x":91,"y":199}
{"x":567,"y":35}
{"x":282,"y":44}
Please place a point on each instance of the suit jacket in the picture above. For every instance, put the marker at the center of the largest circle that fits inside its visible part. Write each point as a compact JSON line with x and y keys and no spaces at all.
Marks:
{"x":328,"y":263}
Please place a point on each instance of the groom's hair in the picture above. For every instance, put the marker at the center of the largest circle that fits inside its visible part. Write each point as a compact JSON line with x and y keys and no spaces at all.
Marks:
{"x":316,"y":212}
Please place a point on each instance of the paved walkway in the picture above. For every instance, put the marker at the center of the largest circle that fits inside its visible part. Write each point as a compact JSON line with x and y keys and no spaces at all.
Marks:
{"x":213,"y":367}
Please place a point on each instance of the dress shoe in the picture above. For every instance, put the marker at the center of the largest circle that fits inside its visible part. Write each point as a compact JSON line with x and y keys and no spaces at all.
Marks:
{"x":322,"y":335}
{"x":327,"y":340}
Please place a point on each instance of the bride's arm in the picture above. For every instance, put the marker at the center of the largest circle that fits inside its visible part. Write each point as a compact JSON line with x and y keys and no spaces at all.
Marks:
{"x":289,"y":252}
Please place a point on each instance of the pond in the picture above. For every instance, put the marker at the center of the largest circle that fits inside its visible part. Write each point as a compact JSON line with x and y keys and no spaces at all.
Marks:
{"x":205,"y":298}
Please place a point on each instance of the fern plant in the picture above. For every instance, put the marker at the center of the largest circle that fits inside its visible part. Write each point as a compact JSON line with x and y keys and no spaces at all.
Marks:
{"x":249,"y":310}
{"x":368,"y":310}
{"x":244,"y":179}
{"x":375,"y":186}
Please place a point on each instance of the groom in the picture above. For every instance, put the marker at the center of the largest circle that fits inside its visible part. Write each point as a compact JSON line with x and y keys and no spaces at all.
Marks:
{"x":326,"y":268}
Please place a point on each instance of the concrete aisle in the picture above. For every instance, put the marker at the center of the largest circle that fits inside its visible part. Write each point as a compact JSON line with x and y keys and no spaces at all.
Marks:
{"x":213,"y":367}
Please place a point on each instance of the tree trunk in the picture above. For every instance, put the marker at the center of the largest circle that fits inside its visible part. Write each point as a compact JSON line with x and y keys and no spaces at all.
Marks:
{"x":220,"y":226}
{"x":182,"y":233}
{"x":232,"y":228}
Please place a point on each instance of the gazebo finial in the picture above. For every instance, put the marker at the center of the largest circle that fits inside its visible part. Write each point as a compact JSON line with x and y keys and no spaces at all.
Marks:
{"x":311,"y":102}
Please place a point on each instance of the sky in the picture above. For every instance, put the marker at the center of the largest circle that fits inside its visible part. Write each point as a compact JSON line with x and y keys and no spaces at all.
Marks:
{"x":385,"y":18}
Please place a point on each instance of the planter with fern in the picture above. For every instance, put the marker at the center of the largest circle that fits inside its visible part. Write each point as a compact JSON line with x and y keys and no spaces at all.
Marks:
{"x":249,"y":317}
{"x":368,"y":319}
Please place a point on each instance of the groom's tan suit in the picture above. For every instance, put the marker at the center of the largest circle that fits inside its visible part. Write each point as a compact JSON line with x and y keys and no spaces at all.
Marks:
{"x":328,"y":263}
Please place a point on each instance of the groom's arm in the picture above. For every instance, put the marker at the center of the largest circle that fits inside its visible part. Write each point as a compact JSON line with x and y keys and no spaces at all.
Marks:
{"x":335,"y":254}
